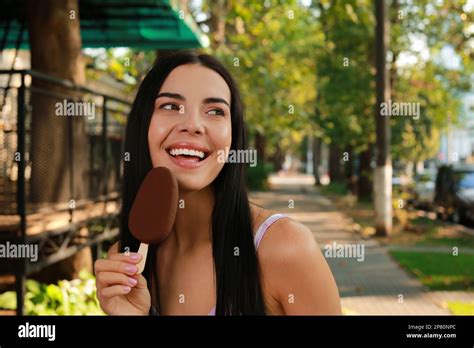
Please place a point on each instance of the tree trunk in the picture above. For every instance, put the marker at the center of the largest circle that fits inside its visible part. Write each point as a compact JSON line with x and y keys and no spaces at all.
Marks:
{"x":335,"y":167}
{"x":260,"y":147}
{"x":55,"y":43}
{"x":383,"y":170}
{"x":349,"y":170}
{"x":219,"y":10}
{"x":277,"y":159}
{"x":59,"y":146}
{"x":317,"y":160}
{"x":364,"y":183}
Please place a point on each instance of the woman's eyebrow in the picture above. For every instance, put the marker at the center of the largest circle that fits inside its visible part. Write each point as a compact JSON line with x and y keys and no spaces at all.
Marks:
{"x":180,"y":97}
{"x":215,"y":100}
{"x":171,"y":95}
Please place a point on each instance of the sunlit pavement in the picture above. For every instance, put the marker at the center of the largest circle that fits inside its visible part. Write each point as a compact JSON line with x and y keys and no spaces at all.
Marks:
{"x":374,"y":284}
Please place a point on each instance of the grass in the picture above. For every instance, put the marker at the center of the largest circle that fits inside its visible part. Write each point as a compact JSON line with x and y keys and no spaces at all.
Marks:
{"x":425,"y":222}
{"x":467,"y":242}
{"x":461,"y":308}
{"x":439,"y":271}
{"x":410,"y":228}
{"x":436,"y":270}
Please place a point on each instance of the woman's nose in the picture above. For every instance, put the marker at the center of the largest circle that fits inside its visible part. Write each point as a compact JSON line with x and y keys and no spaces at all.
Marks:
{"x":191,"y":123}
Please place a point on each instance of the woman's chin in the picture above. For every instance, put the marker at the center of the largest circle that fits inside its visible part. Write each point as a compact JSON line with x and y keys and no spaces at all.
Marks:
{"x":186,"y":186}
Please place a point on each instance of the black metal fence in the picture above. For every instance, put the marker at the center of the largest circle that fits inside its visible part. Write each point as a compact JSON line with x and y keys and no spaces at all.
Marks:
{"x":61,"y":155}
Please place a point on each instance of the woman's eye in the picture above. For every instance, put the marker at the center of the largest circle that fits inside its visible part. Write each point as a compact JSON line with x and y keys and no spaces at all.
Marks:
{"x":219,"y":112}
{"x":169,"y":106}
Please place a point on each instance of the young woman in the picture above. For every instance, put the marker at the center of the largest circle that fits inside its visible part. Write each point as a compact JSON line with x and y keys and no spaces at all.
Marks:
{"x":224,"y":255}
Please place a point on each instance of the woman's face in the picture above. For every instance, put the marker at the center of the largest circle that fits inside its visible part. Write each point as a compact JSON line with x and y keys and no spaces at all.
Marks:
{"x":190,"y":124}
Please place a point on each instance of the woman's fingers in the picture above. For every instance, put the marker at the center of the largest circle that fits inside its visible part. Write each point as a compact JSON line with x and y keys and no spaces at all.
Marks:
{"x":106,"y":279}
{"x":141,"y":281}
{"x":116,"y":278}
{"x":114,"y":266}
{"x":115,"y":290}
{"x":129,"y":257}
{"x":118,"y":269}
{"x":113,"y":249}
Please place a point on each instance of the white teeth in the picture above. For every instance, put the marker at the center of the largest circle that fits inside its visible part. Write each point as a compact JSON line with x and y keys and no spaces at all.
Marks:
{"x":189,"y":152}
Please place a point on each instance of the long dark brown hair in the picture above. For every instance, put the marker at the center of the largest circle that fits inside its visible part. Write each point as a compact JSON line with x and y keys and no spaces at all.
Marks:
{"x":237,"y":274}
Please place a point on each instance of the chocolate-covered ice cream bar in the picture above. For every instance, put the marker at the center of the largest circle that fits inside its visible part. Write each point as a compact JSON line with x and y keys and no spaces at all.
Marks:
{"x":154,"y":210}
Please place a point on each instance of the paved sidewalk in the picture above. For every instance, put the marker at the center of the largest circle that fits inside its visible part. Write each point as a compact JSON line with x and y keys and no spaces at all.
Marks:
{"x":374,"y":285}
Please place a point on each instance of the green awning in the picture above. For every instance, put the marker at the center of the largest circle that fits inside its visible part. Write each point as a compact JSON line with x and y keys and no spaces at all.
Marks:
{"x":142,"y":24}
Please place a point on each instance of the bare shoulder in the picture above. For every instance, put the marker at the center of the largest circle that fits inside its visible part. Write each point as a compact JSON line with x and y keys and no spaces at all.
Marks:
{"x":295,"y":272}
{"x":283,"y":237}
{"x":287,"y":240}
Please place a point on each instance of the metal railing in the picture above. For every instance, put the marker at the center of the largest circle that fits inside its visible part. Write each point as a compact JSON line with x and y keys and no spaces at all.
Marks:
{"x":100,"y":183}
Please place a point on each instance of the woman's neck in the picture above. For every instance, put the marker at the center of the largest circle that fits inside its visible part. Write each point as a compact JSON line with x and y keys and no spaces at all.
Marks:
{"x":192,"y":227}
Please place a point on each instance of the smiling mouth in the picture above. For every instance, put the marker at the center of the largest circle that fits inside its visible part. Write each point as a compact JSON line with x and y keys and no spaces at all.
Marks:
{"x":188,"y":155}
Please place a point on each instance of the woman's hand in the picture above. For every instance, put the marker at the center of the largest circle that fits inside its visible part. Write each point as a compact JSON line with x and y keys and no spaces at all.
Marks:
{"x":119,"y":289}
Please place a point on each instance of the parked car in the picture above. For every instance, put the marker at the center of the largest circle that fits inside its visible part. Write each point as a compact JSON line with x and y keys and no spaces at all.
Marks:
{"x":423,"y":192}
{"x":454,"y":193}
{"x":400,"y":179}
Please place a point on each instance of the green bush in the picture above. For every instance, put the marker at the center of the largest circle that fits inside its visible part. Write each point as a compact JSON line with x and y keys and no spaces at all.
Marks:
{"x":75,"y":297}
{"x":257,"y":176}
{"x":336,"y":188}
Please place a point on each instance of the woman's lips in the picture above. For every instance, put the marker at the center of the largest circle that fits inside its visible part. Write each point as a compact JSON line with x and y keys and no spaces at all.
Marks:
{"x":187,"y":162}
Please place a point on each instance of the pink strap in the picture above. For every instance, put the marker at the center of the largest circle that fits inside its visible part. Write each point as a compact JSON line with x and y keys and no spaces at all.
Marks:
{"x":264,"y":227}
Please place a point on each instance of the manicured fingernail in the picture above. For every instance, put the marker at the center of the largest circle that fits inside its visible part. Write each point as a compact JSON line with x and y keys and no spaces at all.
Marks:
{"x":127,"y":289}
{"x":132,"y":281}
{"x":135,"y":257}
{"x":131,"y":269}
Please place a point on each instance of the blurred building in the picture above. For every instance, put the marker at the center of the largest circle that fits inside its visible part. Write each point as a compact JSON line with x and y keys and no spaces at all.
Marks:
{"x":457,"y":144}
